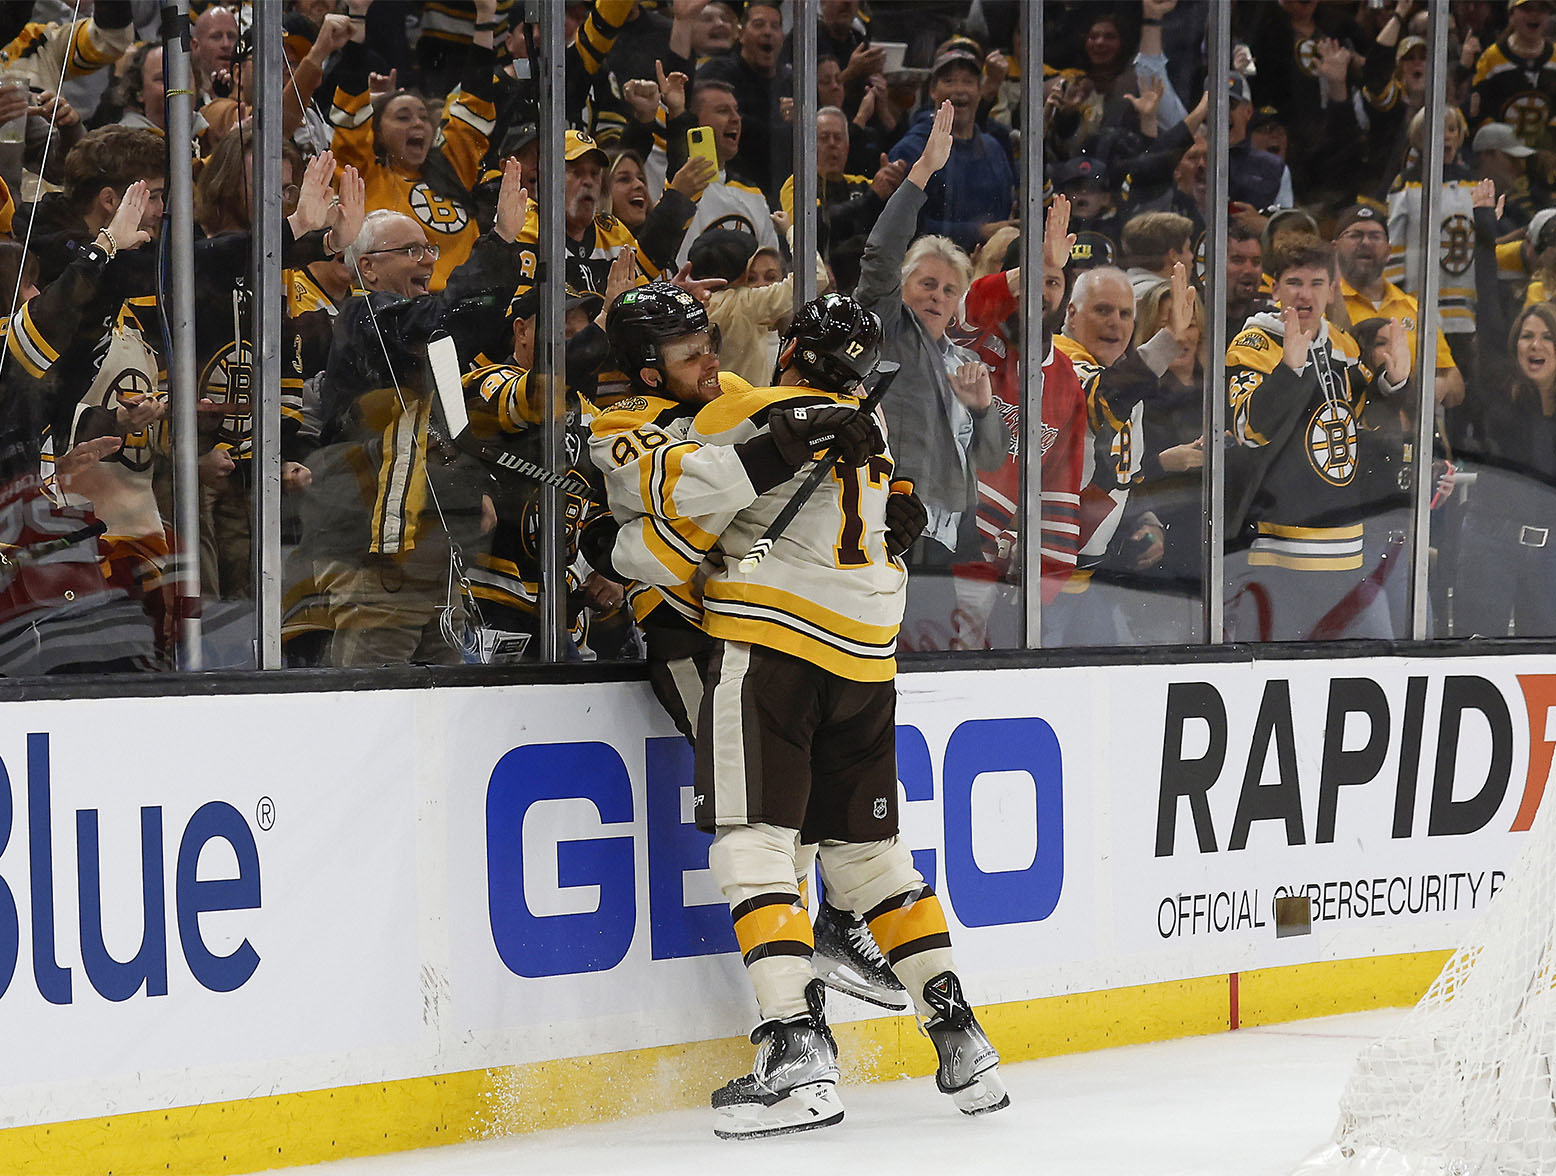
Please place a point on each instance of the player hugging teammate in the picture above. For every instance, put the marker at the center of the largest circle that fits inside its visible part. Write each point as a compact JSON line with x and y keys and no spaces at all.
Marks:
{"x":790,"y":690}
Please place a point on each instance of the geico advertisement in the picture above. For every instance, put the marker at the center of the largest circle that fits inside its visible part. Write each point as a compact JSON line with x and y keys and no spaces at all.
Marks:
{"x":1388,"y":797}
{"x":584,"y":914}
{"x":186,"y":884}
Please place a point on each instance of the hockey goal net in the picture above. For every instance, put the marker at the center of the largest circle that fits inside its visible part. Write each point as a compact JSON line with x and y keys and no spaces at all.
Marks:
{"x":1465,"y":1087}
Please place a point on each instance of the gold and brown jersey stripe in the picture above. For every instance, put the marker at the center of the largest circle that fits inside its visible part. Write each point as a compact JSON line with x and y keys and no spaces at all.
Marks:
{"x":773,"y":924}
{"x":908,"y":924}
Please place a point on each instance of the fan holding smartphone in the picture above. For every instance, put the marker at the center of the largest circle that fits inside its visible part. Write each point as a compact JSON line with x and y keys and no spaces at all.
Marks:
{"x":699,"y":145}
{"x":712,"y":131}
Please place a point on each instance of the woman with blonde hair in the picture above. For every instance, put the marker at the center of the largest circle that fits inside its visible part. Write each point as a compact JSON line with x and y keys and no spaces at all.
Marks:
{"x":659,"y":226}
{"x":990,"y":256}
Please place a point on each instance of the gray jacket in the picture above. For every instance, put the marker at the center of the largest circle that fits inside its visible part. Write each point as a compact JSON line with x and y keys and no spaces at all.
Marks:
{"x":917,"y":418}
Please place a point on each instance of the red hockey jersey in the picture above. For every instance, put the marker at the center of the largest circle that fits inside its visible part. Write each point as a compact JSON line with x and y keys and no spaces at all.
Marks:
{"x":990,"y":303}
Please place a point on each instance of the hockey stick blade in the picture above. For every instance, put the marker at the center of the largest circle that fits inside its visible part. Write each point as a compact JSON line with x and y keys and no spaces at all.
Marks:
{"x":883,"y":375}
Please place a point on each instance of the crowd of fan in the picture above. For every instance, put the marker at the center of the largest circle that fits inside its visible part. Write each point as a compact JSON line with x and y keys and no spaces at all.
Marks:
{"x":413,"y":141}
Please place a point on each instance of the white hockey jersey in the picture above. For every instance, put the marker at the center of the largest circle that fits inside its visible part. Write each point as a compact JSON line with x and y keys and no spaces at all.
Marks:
{"x":827,"y":592}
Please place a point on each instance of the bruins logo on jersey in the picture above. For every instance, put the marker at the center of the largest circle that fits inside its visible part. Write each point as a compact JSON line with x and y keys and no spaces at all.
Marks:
{"x":1253,"y":340}
{"x":1331,"y":442}
{"x":1307,"y":57}
{"x":131,"y":386}
{"x":438,"y":213}
{"x":228,"y":379}
{"x":496,"y":380}
{"x":1457,"y":243}
{"x":1528,"y":113}
{"x":531,"y":522}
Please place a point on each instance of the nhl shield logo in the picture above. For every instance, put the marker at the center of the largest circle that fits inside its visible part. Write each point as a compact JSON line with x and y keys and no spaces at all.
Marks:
{"x":879,"y":808}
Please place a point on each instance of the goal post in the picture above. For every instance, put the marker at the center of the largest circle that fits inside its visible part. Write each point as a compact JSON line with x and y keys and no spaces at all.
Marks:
{"x":1464,"y":1086}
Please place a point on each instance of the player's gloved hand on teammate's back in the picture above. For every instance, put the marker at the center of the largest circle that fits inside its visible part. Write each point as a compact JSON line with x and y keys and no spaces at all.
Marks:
{"x":803,"y":430}
{"x":906,"y":518}
{"x":795,"y":434}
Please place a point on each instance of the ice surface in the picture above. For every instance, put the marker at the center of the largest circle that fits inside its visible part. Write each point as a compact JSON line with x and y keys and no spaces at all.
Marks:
{"x":1250,"y":1103}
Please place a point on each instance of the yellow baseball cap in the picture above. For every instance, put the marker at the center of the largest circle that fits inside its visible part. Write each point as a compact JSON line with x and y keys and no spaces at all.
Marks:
{"x":580,"y":144}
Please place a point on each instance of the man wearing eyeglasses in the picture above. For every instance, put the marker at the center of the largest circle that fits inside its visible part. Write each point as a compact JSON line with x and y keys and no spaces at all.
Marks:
{"x":1361,"y":247}
{"x":392,"y":500}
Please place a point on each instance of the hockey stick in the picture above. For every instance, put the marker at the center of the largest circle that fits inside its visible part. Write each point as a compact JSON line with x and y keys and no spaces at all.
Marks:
{"x":444,"y":360}
{"x":885,"y":372}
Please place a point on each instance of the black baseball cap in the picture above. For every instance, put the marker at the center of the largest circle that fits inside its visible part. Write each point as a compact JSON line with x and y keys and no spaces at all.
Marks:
{"x":1266,"y":116}
{"x":1361,"y":212}
{"x":515,"y":139}
{"x":1090,"y":250}
{"x":1084,"y":169}
{"x":527,"y":303}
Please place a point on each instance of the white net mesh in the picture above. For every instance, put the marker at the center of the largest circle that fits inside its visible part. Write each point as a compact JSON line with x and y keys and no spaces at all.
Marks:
{"x":1464,"y":1087}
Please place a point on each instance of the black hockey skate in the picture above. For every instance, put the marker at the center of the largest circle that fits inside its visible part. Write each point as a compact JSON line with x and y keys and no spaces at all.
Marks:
{"x":847,"y":959}
{"x":793,"y":1083}
{"x":969,"y":1066}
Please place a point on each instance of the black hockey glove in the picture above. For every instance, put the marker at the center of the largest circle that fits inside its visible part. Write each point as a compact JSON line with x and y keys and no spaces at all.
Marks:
{"x":801,"y":431}
{"x":597,"y":541}
{"x":905,"y":520}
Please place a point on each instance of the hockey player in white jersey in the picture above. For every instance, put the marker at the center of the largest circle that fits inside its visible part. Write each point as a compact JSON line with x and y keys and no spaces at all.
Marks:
{"x":796,"y":734}
{"x":662,"y":338}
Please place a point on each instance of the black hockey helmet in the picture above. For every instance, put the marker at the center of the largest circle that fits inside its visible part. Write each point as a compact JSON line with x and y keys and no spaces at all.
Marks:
{"x":645,"y":318}
{"x":836,"y":341}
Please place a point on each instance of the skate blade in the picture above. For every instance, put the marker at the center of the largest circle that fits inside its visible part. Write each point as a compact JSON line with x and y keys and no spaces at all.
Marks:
{"x":984,"y":1095}
{"x":805,"y":1108}
{"x":850,"y":983}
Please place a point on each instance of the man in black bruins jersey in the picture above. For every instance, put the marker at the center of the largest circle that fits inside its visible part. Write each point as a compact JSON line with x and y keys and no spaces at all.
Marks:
{"x":391,"y":499}
{"x":1297,"y":391}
